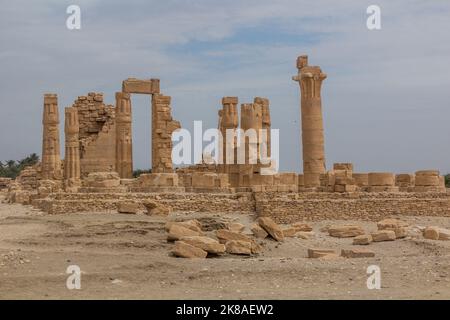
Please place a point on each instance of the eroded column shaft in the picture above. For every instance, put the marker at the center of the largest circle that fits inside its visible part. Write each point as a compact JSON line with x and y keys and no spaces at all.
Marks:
{"x":51,"y":159}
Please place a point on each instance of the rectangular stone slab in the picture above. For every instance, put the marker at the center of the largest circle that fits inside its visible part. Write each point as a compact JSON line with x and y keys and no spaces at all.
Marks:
{"x":146,"y":86}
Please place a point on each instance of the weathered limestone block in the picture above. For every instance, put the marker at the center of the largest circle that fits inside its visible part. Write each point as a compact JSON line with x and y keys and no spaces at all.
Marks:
{"x":364,"y":239}
{"x":154,"y":208}
{"x":102,"y":180}
{"x":436,"y":233}
{"x":431,"y":233}
{"x":305,"y":234}
{"x":345,"y":231}
{"x":289,"y":232}
{"x":302,"y":226}
{"x":320,"y":253}
{"x":208,"y":244}
{"x":128,"y":207}
{"x":209,"y":180}
{"x":361,"y":179}
{"x":396,"y":225}
{"x":383,"y":235}
{"x":381,"y":179}
{"x":193,"y":224}
{"x":185,"y":250}
{"x":146,"y":86}
{"x":157,"y":180}
{"x":271,"y":228}
{"x":343,"y":166}
{"x":310,"y":80}
{"x":226,"y":235}
{"x":258,"y":232}
{"x":239,"y":247}
{"x":236,"y":227}
{"x":177,"y":232}
{"x":357,"y":253}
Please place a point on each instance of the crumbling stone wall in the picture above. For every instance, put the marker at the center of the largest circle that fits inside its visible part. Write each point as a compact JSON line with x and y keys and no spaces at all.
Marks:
{"x":291,"y":207}
{"x":96,"y":133}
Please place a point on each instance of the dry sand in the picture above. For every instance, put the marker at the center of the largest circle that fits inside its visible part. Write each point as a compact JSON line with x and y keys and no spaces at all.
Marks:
{"x":127,"y":257}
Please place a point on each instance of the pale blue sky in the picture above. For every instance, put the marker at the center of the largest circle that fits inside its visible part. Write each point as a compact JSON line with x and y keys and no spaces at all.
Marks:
{"x":386,"y":101}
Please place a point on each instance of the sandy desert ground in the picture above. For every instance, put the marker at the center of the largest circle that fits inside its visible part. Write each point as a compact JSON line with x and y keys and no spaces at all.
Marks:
{"x":127,"y":257}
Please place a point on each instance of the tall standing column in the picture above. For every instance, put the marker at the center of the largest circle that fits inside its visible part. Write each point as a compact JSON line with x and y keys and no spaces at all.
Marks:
{"x":124,"y":144}
{"x":163,"y":126}
{"x":51,"y":159}
{"x":310,"y":80}
{"x":228,"y":119}
{"x":266,"y":122}
{"x":72,"y":147}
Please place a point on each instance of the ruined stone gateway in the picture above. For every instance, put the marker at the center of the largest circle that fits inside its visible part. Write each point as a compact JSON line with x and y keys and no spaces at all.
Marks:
{"x":96,"y":173}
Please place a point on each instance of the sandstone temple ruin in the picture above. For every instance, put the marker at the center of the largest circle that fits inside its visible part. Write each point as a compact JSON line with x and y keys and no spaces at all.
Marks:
{"x":96,"y":171}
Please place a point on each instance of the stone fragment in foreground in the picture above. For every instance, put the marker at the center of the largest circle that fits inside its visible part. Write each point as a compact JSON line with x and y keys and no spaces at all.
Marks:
{"x":236,"y":227}
{"x":177,"y":231}
{"x":436,"y":233}
{"x":273,"y":229}
{"x":396,"y":225}
{"x":190,"y":224}
{"x":239,"y":247}
{"x":320,"y":253}
{"x":305,"y":235}
{"x":444,"y":234}
{"x":388,"y":224}
{"x":364,"y":239}
{"x":154,"y":208}
{"x":258,"y":232}
{"x":383,"y":235}
{"x":128,"y":207}
{"x":345,"y":231}
{"x":185,"y":250}
{"x":301,"y":226}
{"x":205,"y":243}
{"x":226,"y":235}
{"x":357,"y":253}
{"x":289,"y":232}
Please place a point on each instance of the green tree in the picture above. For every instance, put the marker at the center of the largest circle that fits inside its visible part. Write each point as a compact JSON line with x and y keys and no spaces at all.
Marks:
{"x":447,"y":180}
{"x":12,"y":168}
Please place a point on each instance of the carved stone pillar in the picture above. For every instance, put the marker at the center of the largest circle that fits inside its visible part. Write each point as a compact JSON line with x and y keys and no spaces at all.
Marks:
{"x":72,"y":149}
{"x":162,"y":127}
{"x":310,"y":80}
{"x":124,"y":143}
{"x":51,"y":159}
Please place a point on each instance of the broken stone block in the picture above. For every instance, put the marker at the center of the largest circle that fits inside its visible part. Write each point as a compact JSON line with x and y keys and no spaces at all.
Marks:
{"x":177,"y":231}
{"x":128,"y":207}
{"x":357,"y":253}
{"x":226,"y":235}
{"x":239,"y":247}
{"x":185,"y":250}
{"x":383,"y":235}
{"x":258,"y":232}
{"x":387,"y":224}
{"x":305,"y":235}
{"x":444,"y":234}
{"x":256,"y":248}
{"x":345,"y":231}
{"x":193,"y":224}
{"x":301,"y":226}
{"x":205,"y":243}
{"x":236,"y":227}
{"x":364,"y":239}
{"x":320,"y":253}
{"x":289,"y":232}
{"x":154,"y":208}
{"x":273,"y":229}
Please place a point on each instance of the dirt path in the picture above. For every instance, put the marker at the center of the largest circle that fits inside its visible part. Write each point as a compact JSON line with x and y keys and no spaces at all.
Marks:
{"x":126,"y":257}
